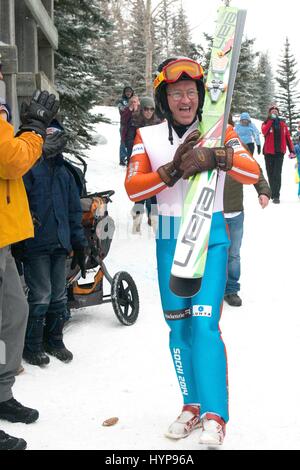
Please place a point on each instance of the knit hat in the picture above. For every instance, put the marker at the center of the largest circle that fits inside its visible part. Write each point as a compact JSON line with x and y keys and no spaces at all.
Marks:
{"x":147,"y":102}
{"x":6,"y":108}
{"x":54,"y":126}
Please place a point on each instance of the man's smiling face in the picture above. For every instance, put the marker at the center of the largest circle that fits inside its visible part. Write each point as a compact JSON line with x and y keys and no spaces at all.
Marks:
{"x":183,"y":101}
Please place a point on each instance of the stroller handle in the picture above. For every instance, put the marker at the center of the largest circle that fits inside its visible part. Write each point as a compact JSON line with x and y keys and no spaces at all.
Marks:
{"x":103,"y":194}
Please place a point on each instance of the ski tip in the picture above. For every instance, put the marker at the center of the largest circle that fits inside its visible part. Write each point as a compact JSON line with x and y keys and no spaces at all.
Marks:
{"x":185,"y":287}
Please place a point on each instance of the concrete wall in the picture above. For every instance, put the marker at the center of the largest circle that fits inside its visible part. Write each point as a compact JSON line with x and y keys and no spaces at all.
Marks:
{"x":28,"y":39}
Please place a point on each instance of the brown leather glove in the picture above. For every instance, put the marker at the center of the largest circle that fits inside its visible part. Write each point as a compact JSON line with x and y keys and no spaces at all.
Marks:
{"x":170,"y":173}
{"x":203,"y":159}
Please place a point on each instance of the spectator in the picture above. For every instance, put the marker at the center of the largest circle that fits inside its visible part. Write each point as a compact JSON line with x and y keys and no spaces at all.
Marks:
{"x":248,"y":132}
{"x":55,"y":205}
{"x":128,"y":127}
{"x":277,"y":138}
{"x":144,"y":116}
{"x":122,"y":104}
{"x":234,"y":216}
{"x":17,"y":156}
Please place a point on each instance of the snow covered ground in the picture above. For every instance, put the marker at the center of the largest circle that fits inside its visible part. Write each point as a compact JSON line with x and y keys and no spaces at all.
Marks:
{"x":127,"y":371}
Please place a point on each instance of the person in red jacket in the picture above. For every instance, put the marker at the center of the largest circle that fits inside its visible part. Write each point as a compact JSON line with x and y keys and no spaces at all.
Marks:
{"x":277,"y":138}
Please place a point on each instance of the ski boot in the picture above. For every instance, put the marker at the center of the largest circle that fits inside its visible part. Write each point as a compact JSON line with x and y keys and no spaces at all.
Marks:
{"x":213,"y":430}
{"x":186,"y":423}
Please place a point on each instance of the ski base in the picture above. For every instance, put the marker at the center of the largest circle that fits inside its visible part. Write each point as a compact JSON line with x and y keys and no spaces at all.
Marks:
{"x":183,"y":287}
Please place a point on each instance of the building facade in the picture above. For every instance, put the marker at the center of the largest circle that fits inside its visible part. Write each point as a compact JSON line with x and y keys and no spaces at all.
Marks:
{"x":28,"y":40}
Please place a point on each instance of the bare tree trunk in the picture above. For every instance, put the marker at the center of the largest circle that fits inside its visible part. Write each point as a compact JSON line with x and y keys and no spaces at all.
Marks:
{"x":149,"y":48}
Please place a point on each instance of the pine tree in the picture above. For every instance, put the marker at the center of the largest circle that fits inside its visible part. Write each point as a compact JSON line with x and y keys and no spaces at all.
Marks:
{"x":164,"y":28}
{"x":287,"y":97}
{"x":265,"y":85}
{"x":111,"y":49}
{"x":181,"y":35}
{"x":136,"y":51}
{"x":79,"y":72}
{"x":245,"y":92}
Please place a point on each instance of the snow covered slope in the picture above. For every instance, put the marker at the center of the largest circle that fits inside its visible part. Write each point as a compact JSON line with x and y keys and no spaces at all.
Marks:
{"x":127,"y":371}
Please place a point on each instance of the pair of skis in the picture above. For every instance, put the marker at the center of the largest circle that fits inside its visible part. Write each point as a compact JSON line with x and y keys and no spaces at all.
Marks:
{"x":192,"y":242}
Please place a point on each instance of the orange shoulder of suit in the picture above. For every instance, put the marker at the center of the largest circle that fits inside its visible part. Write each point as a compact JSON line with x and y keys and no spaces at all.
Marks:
{"x":142,"y":182}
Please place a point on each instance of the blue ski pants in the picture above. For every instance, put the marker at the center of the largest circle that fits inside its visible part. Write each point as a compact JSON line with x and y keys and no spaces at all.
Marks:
{"x":196,"y":345}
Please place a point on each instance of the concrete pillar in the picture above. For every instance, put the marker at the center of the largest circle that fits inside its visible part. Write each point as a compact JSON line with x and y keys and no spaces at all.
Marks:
{"x":46,"y":52}
{"x":26,"y":39}
{"x":7,"y":21}
{"x":46,"y":60}
{"x":9,"y":56}
{"x":2,"y":90}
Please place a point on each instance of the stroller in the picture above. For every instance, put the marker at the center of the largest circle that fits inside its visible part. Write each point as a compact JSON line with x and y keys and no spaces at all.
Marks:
{"x":99,"y":229}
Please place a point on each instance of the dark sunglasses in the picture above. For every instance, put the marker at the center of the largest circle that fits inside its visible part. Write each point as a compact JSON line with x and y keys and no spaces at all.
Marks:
{"x":148,"y":109}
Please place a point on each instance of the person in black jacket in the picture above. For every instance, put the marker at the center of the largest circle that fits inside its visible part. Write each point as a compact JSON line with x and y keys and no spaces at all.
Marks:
{"x":122,"y":104}
{"x":55,"y":206}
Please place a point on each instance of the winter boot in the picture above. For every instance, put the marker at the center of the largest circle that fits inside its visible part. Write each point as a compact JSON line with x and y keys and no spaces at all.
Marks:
{"x":137,"y":221}
{"x":137,"y":215}
{"x":233,"y":299}
{"x":33,"y":352}
{"x":187,"y":421}
{"x":152,"y":222}
{"x":11,"y":443}
{"x":53,"y":337}
{"x":276,"y":200}
{"x":213,"y":430}
{"x":12,"y":411}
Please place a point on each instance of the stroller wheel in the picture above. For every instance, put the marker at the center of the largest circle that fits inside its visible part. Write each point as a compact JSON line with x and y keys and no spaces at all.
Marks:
{"x":125,"y":298}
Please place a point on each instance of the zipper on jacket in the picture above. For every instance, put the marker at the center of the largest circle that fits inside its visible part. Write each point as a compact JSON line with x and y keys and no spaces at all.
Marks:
{"x":7,"y":192}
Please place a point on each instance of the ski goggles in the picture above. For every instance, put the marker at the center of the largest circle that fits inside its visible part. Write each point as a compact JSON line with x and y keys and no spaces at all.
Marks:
{"x":173,"y":71}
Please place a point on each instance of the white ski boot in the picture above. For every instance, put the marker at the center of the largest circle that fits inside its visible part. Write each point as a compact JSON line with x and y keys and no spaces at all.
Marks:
{"x":137,"y":220}
{"x":153,"y":222}
{"x":213,"y":430}
{"x":187,"y":422}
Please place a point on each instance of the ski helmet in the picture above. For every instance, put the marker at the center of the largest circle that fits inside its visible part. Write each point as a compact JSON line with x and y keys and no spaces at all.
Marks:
{"x":173,"y":70}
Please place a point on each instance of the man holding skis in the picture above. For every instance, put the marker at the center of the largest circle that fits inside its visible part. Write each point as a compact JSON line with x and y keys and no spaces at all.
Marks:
{"x":164,"y":156}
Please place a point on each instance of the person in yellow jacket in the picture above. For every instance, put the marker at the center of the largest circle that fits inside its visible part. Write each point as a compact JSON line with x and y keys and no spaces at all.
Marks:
{"x":17,"y":155}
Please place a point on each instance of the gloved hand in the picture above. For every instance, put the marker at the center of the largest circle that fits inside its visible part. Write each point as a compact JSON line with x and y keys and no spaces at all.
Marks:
{"x":54,"y":144}
{"x":258,"y":149}
{"x":292,"y":155}
{"x":203,"y":159}
{"x":37,"y":115}
{"x":170,"y":173}
{"x":79,"y":260}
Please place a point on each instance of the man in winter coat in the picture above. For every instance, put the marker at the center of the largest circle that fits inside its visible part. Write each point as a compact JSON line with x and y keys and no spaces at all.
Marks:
{"x":163,"y":158}
{"x":55,"y":205}
{"x":17,"y":156}
{"x":277,"y":139}
{"x":122,"y":104}
{"x":248,"y":132}
{"x":234,"y":216}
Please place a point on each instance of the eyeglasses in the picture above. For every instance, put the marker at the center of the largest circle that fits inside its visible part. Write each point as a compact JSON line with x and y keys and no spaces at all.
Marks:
{"x":173,"y":71}
{"x":148,"y":109}
{"x":178,"y":95}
